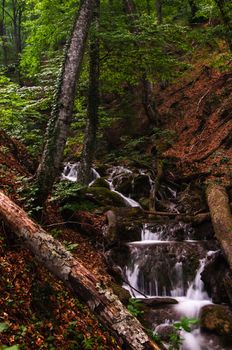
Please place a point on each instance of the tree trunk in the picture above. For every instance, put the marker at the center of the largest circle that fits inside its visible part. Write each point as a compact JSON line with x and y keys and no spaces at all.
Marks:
{"x":218,"y":203}
{"x":225,"y":9}
{"x":92,"y":111}
{"x":148,"y":7}
{"x":147,"y":99}
{"x":159,"y":12}
{"x":57,"y":131}
{"x":101,"y":300}
{"x":3,"y":34}
{"x":194,"y":9}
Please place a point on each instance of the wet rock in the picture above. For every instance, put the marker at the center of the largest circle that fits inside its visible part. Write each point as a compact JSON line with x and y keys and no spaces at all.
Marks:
{"x":192,"y":200}
{"x":166,"y":268}
{"x":131,"y":183}
{"x":123,"y":183}
{"x":100,"y":182}
{"x":151,"y":302}
{"x":217,"y":318}
{"x":141,"y":186}
{"x":121,"y":226}
{"x":165,"y":330}
{"x":104,"y":197}
{"x":153,"y":317}
{"x":216,"y":270}
{"x":123,"y":294}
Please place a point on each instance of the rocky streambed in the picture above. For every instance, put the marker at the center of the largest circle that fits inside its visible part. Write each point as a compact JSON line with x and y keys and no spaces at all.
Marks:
{"x":175,"y":269}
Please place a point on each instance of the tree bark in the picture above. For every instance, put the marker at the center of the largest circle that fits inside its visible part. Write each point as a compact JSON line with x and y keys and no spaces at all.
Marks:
{"x":159,"y":12}
{"x":88,"y":151}
{"x":101,"y":300}
{"x":57,"y":131}
{"x":219,"y":207}
{"x":194,"y":9}
{"x":3,"y":33}
{"x":147,"y":99}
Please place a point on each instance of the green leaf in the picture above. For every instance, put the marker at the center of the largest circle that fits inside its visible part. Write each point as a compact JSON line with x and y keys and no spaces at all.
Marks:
{"x":3,"y":327}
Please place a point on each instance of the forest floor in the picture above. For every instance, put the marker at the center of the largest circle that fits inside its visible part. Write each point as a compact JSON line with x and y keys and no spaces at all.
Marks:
{"x":198,"y":108}
{"x":38,"y":311}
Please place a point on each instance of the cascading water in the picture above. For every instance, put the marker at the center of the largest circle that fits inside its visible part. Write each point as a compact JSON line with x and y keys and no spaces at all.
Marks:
{"x":161,"y":262}
{"x":71,"y":171}
{"x":159,"y":267}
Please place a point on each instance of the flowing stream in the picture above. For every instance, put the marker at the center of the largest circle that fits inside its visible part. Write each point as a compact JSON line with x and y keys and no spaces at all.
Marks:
{"x":160,"y":267}
{"x":166,"y":262}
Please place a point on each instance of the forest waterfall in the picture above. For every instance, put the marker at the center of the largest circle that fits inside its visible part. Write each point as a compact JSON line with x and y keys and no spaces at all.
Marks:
{"x":160,"y":266}
{"x":71,"y":171}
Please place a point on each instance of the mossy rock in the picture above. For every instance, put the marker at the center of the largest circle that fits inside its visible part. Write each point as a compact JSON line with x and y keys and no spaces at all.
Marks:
{"x":100,"y":182}
{"x":123,"y":294}
{"x":217,"y":318}
{"x":104,"y":197}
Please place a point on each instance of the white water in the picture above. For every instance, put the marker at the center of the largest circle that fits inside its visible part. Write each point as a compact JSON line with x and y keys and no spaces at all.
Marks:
{"x":116,"y":171}
{"x":190,"y":302}
{"x":71,"y":171}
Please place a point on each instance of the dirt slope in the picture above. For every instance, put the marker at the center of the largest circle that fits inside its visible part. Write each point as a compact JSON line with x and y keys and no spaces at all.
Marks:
{"x":199,"y":109}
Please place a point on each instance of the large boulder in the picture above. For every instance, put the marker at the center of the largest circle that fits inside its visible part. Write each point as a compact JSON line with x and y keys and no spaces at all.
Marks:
{"x":131,"y":183}
{"x":217,"y":318}
{"x":104,"y":197}
{"x":216,"y":270}
{"x":121,"y":225}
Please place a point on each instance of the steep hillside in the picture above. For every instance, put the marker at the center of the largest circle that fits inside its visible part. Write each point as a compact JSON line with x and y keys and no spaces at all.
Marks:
{"x":199,"y":109}
{"x":36,"y":310}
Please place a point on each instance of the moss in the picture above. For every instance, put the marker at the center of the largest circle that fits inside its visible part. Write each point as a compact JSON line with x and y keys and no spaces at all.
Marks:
{"x":217,"y":318}
{"x":104,"y":196}
{"x":100,"y":182}
{"x":122,"y":293}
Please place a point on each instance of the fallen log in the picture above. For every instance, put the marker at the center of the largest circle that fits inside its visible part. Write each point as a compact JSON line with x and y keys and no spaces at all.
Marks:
{"x":197,"y":218}
{"x":221,"y":217}
{"x":100,"y":299}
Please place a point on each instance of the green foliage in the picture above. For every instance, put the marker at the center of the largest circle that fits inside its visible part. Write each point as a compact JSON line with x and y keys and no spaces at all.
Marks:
{"x":154,"y":336}
{"x":23,"y":112}
{"x":152,"y":50}
{"x":66,"y":189}
{"x":184,"y":324}
{"x":70,"y":246}
{"x":3,"y":327}
{"x":47,"y":26}
{"x":88,"y":343}
{"x":134,"y":307}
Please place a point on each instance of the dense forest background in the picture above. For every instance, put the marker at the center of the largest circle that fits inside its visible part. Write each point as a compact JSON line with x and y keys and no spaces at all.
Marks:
{"x":150,"y":90}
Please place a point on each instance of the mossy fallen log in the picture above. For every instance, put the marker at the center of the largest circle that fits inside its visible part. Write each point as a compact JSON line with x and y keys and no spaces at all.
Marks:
{"x":220,"y":212}
{"x":100,"y":299}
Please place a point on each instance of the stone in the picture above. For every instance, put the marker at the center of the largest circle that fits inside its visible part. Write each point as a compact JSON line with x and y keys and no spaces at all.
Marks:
{"x":165,"y":330}
{"x":217,"y":318}
{"x":104,"y":197}
{"x":100,"y":182}
{"x":216,"y":269}
{"x":151,"y":302}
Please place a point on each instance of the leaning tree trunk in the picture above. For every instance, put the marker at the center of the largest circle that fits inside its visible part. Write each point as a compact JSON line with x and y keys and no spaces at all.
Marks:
{"x":57,"y":130}
{"x":218,"y":203}
{"x":101,"y":300}
{"x":88,"y":151}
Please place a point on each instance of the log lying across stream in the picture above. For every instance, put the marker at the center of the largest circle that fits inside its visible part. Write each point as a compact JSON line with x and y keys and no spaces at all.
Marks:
{"x":218,"y":203}
{"x":100,"y":299}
